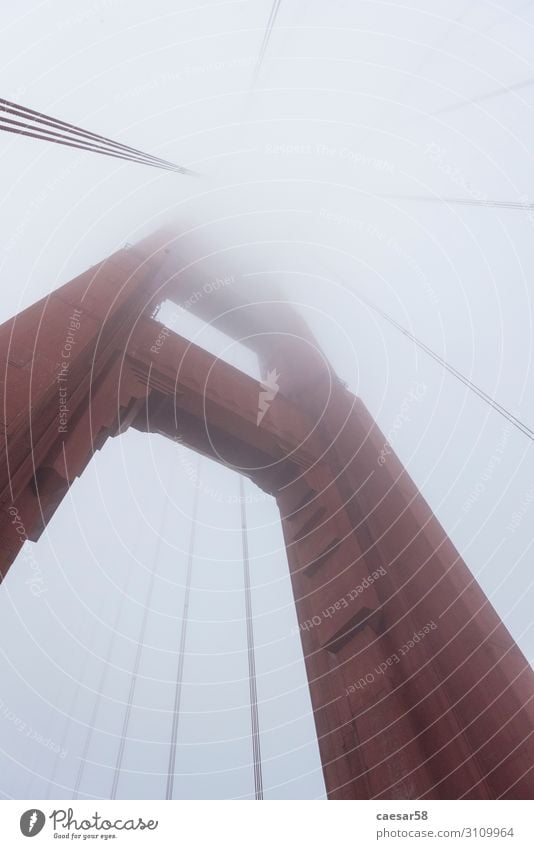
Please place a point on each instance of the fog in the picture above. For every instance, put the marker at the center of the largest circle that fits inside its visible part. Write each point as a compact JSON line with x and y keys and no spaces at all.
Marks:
{"x":333,"y":169}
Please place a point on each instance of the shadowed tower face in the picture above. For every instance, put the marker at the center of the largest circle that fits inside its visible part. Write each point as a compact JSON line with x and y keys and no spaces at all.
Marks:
{"x":374,"y":574}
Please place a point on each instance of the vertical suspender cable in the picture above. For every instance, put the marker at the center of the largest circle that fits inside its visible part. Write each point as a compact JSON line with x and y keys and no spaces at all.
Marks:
{"x":181,"y":651}
{"x":101,"y":685}
{"x":72,"y":706}
{"x":254,"y":721}
{"x":137,"y":659}
{"x":36,"y":756}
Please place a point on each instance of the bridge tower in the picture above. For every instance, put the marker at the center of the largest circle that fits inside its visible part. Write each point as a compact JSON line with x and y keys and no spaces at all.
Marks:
{"x":418,"y":690}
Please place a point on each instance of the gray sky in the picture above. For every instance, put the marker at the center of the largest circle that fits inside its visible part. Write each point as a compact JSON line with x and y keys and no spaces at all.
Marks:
{"x":303,"y":180}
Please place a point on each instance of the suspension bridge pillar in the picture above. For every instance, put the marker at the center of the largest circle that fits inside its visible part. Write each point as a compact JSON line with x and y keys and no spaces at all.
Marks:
{"x":418,"y":690}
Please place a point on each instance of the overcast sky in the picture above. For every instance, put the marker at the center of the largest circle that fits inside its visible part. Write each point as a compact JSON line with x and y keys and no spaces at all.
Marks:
{"x":314,"y":177}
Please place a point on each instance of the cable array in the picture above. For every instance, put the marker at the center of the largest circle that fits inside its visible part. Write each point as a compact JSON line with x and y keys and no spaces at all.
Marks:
{"x":72,"y":706}
{"x":137,"y":660}
{"x":36,"y":125}
{"x":101,"y":684}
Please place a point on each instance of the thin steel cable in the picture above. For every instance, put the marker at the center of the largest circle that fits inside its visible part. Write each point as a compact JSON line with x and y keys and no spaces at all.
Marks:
{"x":407,"y":82}
{"x":137,"y":659}
{"x":67,"y":143}
{"x":7,"y":125}
{"x":492,"y":204}
{"x":47,"y":120}
{"x":71,"y":708}
{"x":495,"y":405}
{"x":102,"y":682}
{"x":181,"y":652}
{"x":275,"y":8}
{"x":489,"y":95}
{"x":497,"y":92}
{"x":36,"y":755}
{"x":254,"y":718}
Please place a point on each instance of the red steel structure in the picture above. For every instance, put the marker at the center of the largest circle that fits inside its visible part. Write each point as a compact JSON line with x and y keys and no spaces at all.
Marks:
{"x":418,"y":690}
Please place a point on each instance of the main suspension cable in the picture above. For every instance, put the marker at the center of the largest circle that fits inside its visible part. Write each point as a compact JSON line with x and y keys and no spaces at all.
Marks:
{"x":28,"y":130}
{"x":72,"y":136}
{"x":266,"y":38}
{"x":474,"y":201}
{"x":41,"y":118}
{"x":495,"y":405}
{"x":488,"y":95}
